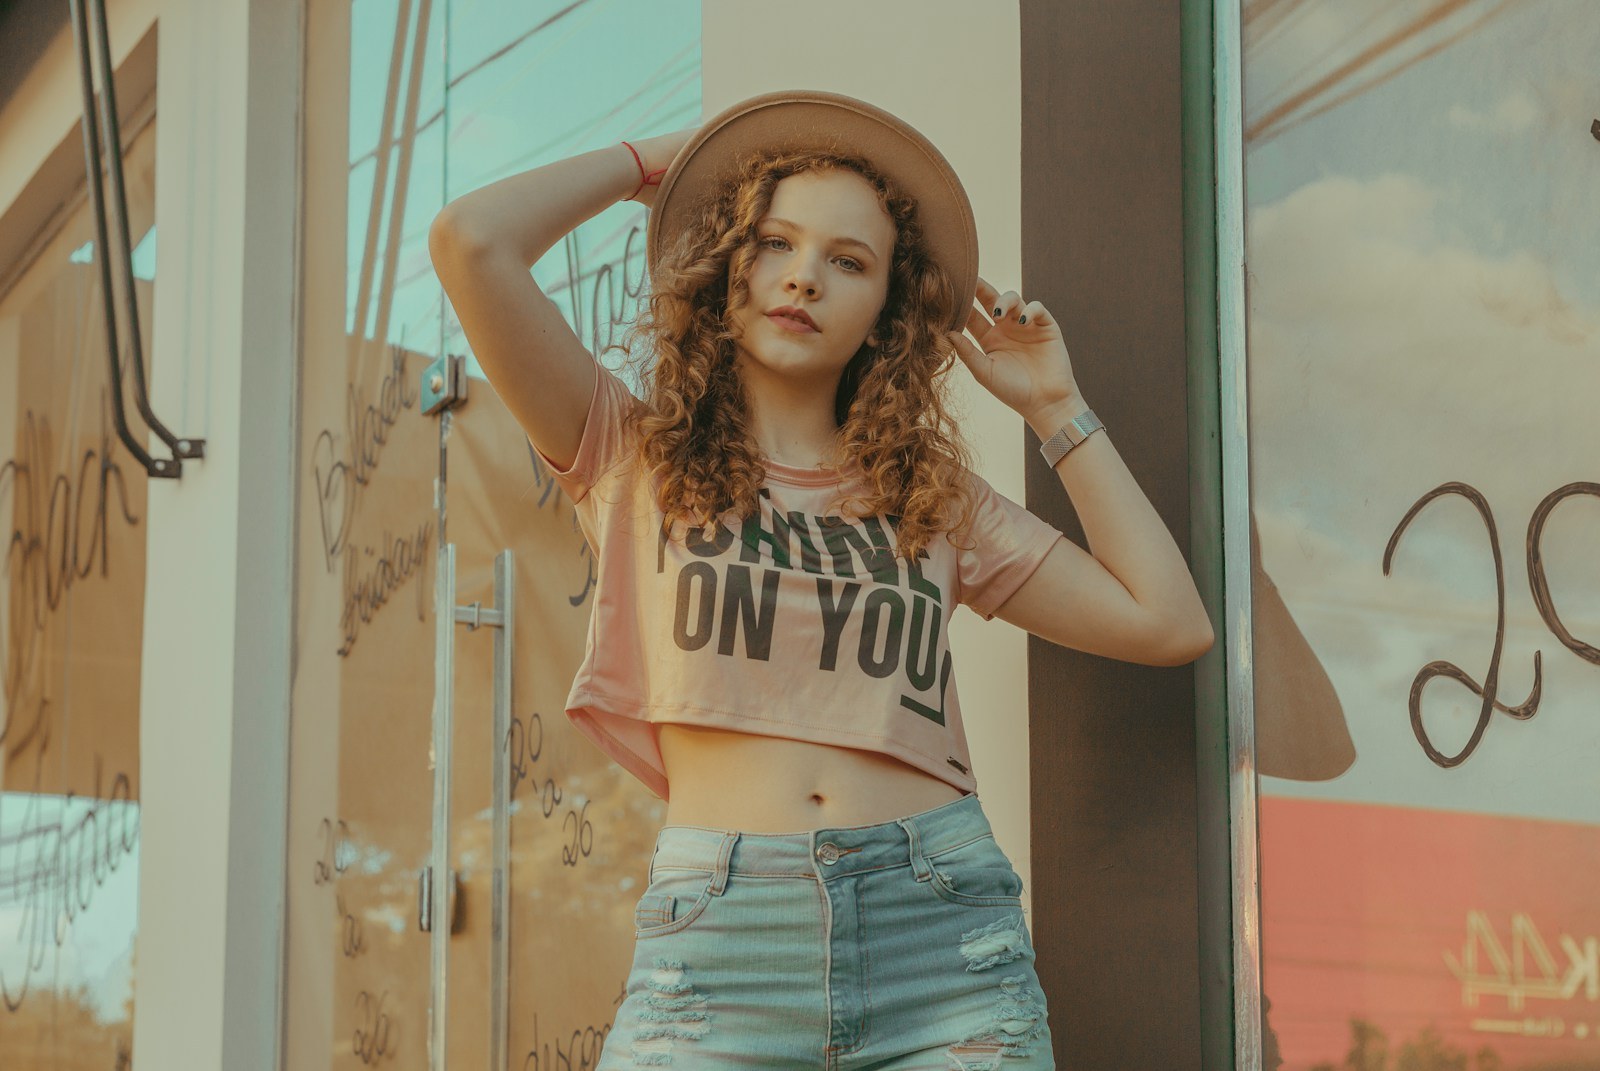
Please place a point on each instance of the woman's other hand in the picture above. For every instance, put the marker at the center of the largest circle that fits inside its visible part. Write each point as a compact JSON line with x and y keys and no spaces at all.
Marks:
{"x":1020,"y":356}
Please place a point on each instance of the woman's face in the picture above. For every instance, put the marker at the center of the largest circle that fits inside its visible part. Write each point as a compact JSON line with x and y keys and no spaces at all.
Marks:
{"x":825,"y":246}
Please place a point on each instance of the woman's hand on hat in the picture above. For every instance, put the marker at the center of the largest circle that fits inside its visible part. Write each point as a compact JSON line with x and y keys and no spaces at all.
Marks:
{"x":1020,"y":356}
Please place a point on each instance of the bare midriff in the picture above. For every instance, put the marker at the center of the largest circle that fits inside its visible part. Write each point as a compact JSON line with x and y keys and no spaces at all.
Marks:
{"x":767,"y":784}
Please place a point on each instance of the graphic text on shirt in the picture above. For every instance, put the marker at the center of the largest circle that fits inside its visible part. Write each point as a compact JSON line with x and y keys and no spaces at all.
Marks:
{"x":897,"y":626}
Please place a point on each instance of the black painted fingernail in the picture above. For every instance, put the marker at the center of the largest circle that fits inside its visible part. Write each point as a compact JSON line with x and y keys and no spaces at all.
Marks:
{"x":997,"y":310}
{"x":1022,"y":319}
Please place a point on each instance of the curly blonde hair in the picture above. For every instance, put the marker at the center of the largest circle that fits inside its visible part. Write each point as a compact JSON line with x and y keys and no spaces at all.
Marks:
{"x":893,"y":416}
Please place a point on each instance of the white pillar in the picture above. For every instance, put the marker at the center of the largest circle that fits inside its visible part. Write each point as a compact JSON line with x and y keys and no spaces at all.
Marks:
{"x":214,"y":695}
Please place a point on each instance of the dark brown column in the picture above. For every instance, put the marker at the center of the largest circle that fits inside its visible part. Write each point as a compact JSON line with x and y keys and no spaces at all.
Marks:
{"x":1113,"y":744}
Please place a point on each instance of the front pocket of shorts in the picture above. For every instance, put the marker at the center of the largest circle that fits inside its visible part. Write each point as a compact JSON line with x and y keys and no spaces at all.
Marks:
{"x":977,"y":874}
{"x":672,"y":902}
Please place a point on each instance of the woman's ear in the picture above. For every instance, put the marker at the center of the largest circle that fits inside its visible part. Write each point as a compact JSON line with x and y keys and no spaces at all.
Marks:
{"x":878,"y":335}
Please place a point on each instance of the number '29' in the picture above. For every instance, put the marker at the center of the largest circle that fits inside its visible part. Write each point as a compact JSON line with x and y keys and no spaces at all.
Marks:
{"x":1487,"y":691}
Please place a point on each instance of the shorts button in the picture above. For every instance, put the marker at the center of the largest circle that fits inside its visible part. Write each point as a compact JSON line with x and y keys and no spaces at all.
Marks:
{"x":828,"y":853}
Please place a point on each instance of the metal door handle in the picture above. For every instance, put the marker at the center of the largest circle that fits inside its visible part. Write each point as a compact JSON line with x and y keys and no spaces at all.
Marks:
{"x":430,"y":911}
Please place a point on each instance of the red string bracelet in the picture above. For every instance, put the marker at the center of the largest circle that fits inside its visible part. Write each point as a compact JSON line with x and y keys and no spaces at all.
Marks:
{"x":645,"y":180}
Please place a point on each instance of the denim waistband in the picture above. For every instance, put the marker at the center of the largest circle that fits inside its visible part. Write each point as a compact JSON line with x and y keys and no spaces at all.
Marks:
{"x":827,"y":852}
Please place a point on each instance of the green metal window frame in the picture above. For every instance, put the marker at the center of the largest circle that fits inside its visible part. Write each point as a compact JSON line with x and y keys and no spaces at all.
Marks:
{"x":1219,"y":533}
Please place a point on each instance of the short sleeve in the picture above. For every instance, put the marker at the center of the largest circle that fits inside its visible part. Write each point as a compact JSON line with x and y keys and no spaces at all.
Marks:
{"x":1007,"y":544}
{"x":602,"y":442}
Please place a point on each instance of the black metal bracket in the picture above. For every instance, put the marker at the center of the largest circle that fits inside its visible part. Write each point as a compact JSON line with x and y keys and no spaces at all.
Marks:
{"x":181,"y":448}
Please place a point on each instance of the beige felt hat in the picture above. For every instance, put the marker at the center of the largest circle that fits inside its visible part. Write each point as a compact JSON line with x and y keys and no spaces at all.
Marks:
{"x":811,"y":119}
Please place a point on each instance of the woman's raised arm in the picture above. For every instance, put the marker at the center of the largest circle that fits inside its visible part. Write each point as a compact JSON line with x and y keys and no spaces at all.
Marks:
{"x":483,"y":244}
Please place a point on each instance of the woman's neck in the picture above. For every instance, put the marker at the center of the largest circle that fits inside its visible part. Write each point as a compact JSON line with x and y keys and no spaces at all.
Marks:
{"x":793,"y":424}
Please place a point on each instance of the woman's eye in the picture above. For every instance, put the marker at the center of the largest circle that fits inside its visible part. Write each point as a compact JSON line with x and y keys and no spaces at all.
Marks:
{"x":850,"y":263}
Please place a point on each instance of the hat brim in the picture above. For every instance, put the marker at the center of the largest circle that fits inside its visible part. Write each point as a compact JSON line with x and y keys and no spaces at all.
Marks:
{"x":812,"y":119}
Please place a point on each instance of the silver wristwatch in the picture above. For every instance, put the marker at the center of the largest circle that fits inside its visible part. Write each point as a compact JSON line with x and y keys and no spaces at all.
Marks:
{"x":1071,"y":434}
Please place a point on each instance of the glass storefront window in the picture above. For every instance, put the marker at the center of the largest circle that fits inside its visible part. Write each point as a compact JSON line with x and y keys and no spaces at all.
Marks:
{"x":72,"y":500}
{"x":1424,"y":359}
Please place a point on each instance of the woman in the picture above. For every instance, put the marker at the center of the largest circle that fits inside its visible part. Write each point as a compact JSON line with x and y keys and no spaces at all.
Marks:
{"x":783,"y":527}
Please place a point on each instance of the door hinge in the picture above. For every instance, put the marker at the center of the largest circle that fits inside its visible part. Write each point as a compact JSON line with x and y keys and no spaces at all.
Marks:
{"x":425,"y":900}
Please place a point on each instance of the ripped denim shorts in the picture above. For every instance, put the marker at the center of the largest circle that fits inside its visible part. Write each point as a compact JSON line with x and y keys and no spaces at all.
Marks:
{"x":896,"y":946}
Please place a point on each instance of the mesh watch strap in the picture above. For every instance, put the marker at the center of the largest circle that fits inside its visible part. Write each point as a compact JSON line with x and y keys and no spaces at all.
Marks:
{"x":1071,"y":434}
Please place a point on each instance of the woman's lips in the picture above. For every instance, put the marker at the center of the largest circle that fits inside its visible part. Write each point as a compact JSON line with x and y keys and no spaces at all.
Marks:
{"x":789,"y":323}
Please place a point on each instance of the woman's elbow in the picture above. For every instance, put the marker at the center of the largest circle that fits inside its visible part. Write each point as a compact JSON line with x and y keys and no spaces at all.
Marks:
{"x":1189,"y":644}
{"x":1204,"y":641}
{"x":453,"y":236}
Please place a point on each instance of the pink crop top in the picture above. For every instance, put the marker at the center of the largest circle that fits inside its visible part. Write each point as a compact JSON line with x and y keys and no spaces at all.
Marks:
{"x":796,"y":623}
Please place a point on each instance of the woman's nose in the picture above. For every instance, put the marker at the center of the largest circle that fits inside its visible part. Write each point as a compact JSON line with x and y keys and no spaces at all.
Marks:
{"x":803,"y":276}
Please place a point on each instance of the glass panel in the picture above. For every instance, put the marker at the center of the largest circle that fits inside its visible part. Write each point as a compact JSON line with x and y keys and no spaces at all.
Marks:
{"x":72,"y":500}
{"x":361,"y":779}
{"x":375,"y":476}
{"x":1424,"y":365}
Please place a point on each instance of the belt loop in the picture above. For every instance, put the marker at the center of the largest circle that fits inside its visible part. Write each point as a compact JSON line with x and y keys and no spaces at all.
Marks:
{"x":719,"y":880}
{"x":919,"y":866}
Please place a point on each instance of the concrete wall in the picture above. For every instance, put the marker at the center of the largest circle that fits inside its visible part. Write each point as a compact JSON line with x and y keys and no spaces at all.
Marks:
{"x":952,"y":70}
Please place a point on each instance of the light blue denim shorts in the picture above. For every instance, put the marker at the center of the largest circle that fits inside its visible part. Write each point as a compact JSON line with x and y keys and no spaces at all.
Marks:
{"x":896,"y":946}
